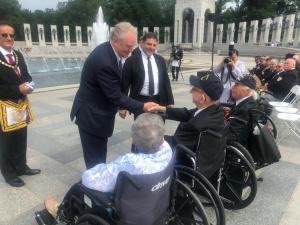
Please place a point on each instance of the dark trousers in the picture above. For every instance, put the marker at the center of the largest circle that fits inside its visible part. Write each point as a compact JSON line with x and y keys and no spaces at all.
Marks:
{"x":175,"y":76}
{"x":94,"y":148}
{"x":13,"y":152}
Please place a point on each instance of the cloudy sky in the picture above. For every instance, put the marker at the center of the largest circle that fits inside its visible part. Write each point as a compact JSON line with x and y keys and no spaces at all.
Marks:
{"x":39,"y":4}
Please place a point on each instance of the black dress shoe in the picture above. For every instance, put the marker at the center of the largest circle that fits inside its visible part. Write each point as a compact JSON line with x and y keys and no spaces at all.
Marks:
{"x":16,"y":182}
{"x":29,"y":172}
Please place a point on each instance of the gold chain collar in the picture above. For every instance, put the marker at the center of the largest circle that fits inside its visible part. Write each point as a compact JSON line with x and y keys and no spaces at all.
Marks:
{"x":11,"y":66}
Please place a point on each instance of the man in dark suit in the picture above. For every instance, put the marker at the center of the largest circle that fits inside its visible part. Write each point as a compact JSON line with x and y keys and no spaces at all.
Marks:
{"x":99,"y":95}
{"x":15,"y":111}
{"x":208,"y":115}
{"x":145,"y":74}
{"x":280,"y":85}
{"x":240,"y":117}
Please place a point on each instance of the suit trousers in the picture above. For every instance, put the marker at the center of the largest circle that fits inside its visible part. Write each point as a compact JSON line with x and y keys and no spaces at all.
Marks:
{"x":13,"y":147}
{"x":94,"y":148}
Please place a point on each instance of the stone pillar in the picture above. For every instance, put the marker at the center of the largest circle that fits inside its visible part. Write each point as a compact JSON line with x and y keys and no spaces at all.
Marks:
{"x":276,"y":29}
{"x":54,"y":35}
{"x":210,"y":32}
{"x":288,"y":30}
{"x":41,"y":34}
{"x":230,"y":33}
{"x":27,"y":33}
{"x":156,"y":31}
{"x":253,"y":32}
{"x":67,"y":36}
{"x":265,"y":30}
{"x":145,"y":30}
{"x":296,"y":42}
{"x":242,"y":32}
{"x":219,"y":33}
{"x":89,"y":35}
{"x":167,"y":35}
{"x":78,"y":35}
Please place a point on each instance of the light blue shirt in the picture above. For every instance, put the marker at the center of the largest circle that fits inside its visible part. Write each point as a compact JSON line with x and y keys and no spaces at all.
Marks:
{"x":103,"y":177}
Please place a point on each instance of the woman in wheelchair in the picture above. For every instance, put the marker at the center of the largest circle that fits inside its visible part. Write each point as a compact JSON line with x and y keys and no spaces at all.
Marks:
{"x":153,"y":156}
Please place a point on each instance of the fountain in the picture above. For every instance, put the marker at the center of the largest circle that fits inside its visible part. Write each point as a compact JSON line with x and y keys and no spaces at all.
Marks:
{"x":100,"y":30}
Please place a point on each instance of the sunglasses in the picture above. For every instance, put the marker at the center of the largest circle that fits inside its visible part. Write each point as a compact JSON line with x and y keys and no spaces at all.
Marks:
{"x":4,"y":35}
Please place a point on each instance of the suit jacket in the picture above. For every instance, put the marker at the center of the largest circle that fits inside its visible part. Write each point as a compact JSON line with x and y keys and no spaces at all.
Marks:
{"x":99,"y":94}
{"x":188,"y":131}
{"x":281,"y":84}
{"x":9,"y":81}
{"x":133,"y":77}
{"x":240,"y":122}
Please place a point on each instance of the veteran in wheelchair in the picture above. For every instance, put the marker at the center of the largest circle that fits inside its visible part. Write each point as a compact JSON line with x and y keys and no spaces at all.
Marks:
{"x":136,"y":188}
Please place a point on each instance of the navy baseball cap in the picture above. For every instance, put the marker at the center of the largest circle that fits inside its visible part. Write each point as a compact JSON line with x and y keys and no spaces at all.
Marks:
{"x":248,"y":81}
{"x":209,"y":83}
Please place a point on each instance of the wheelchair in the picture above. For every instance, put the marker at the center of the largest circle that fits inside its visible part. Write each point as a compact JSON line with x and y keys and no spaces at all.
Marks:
{"x":148,"y":199}
{"x":234,"y":178}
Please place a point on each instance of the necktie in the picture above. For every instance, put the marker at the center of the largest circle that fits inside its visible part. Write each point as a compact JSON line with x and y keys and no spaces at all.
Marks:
{"x":120,"y":65}
{"x":11,"y":61}
{"x":151,"y":80}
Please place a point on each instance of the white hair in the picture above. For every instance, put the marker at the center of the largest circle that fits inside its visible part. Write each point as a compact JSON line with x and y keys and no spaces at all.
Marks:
{"x":147,"y":132}
{"x":121,"y":29}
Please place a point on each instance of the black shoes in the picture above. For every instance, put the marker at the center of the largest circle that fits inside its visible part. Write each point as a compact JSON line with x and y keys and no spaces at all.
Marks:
{"x":16,"y":182}
{"x":29,"y":172}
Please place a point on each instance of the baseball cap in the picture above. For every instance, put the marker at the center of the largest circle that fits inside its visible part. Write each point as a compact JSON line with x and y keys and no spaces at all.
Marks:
{"x":247,"y":81}
{"x":209,"y":83}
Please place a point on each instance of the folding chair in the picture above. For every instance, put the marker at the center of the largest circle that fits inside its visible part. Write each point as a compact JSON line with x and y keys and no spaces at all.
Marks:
{"x":291,"y":98}
{"x":292,"y":125}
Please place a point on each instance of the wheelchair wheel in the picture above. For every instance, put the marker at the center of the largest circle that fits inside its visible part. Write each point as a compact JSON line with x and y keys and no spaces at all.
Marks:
{"x":245,"y":152}
{"x":206,"y":193}
{"x":186,"y":207}
{"x":91,"y":219}
{"x":238,"y":184}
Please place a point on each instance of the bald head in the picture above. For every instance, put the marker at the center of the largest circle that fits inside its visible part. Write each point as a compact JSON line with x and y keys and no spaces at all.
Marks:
{"x":289,"y":64}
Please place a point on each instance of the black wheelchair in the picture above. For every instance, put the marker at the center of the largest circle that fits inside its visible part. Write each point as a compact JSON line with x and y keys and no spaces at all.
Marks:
{"x":234,"y":178}
{"x":151,"y":199}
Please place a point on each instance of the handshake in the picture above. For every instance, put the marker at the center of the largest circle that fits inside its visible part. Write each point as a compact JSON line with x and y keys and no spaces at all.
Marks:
{"x":148,"y":107}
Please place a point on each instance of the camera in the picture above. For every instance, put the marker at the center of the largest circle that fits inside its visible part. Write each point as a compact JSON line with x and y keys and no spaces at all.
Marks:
{"x":227,"y":60}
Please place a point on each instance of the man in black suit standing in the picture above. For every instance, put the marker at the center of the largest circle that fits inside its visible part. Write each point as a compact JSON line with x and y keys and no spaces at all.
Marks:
{"x":99,"y":95}
{"x":145,"y":75}
{"x":15,"y":112}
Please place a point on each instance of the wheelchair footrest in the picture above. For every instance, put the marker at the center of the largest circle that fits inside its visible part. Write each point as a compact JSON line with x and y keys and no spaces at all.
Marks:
{"x":43,"y":217}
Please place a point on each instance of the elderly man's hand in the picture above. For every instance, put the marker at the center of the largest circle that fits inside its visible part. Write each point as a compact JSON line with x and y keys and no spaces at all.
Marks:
{"x":123,"y":113}
{"x":149,"y":105}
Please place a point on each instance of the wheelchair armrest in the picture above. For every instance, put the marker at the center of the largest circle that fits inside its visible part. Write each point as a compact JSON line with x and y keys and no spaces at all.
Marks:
{"x":239,"y":120}
{"x":98,"y":196}
{"x":181,"y":148}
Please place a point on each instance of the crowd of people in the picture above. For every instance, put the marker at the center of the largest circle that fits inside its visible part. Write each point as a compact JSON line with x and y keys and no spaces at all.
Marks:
{"x":118,"y":78}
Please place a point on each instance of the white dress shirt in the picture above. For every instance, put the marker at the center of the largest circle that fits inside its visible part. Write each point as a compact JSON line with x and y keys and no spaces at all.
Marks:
{"x":145,"y":89}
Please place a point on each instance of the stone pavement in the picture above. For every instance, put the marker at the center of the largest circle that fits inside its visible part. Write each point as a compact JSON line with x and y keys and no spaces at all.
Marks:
{"x":54,"y":147}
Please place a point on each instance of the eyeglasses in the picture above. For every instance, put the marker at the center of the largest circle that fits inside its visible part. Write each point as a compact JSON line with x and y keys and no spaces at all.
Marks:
{"x":5,"y":35}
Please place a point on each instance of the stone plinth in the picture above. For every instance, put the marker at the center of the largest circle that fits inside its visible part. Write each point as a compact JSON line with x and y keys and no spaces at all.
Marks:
{"x":264,"y":31}
{"x":156,"y":31}
{"x":54,"y":35}
{"x":253,"y":32}
{"x":67,"y":36}
{"x":78,"y":35}
{"x":288,"y":30}
{"x":41,"y":34}
{"x":242,"y":32}
{"x":276,"y":30}
{"x":89,"y":35}
{"x":230,"y":33}
{"x":219,"y":33}
{"x":27,"y":32}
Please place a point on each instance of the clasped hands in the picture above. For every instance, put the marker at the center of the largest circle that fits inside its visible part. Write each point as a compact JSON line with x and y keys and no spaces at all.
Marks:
{"x":148,"y":107}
